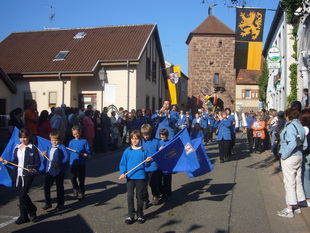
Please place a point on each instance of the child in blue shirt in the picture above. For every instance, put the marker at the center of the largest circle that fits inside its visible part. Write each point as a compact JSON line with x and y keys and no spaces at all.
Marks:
{"x":197,"y":132}
{"x":79,"y":150}
{"x":136,"y":179}
{"x":152,"y":171}
{"x":55,"y":171}
{"x":27,"y":156}
{"x":165,"y":178}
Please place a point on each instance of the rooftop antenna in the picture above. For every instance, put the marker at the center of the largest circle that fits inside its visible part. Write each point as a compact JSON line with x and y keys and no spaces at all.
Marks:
{"x":52,"y":15}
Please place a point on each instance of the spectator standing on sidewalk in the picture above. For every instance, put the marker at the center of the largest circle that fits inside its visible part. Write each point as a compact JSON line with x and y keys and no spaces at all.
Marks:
{"x":58,"y":123}
{"x":106,"y":124}
{"x":15,"y":120}
{"x":88,"y":129}
{"x":250,"y":120}
{"x":31,"y":117}
{"x":265,"y":117}
{"x":305,"y":121}
{"x":44,"y":126}
{"x":305,"y":99}
{"x":259,"y":134}
{"x":293,"y":143}
{"x":278,"y":129}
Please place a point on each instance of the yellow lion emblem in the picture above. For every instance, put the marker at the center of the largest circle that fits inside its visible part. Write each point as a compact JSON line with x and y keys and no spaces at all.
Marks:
{"x":251,"y":24}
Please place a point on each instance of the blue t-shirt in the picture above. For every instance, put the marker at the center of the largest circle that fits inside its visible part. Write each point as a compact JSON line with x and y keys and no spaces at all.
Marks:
{"x":131,"y":158}
{"x":81,"y":146}
{"x":197,"y":134}
{"x":152,"y":147}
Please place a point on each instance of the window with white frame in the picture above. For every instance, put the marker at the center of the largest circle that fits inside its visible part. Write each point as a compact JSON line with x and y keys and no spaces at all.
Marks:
{"x":52,"y":100}
{"x":248,"y":94}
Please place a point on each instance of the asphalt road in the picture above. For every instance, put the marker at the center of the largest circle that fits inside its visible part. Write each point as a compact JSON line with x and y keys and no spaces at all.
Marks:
{"x":241,"y":195}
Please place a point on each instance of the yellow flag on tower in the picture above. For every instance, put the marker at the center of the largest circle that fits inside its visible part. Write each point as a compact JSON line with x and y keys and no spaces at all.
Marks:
{"x":172,"y":81}
{"x":177,"y":69}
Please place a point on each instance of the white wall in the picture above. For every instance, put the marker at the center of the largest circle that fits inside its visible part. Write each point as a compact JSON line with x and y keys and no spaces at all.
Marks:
{"x":6,"y":94}
{"x":303,"y":57}
{"x":277,"y":96}
{"x":41,"y":90}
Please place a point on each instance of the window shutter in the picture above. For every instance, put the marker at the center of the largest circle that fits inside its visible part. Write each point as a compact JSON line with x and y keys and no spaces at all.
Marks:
{"x":243,"y":93}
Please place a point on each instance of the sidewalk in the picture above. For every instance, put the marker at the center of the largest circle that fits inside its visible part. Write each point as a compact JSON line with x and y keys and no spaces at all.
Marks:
{"x":271,"y":182}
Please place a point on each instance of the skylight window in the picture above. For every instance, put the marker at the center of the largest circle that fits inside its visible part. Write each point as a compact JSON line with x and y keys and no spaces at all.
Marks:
{"x":61,"y":55}
{"x":79,"y":35}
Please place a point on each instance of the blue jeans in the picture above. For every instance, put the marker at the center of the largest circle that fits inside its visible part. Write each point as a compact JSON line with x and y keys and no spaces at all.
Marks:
{"x":306,"y":175}
{"x":139,"y":185}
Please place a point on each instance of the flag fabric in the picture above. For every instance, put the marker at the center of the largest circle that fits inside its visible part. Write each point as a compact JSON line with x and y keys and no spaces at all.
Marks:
{"x":5,"y":178}
{"x":177,"y":69}
{"x":8,"y":153}
{"x":204,"y":161}
{"x":178,"y":155}
{"x":43,"y":145}
{"x":172,"y":91}
{"x":249,"y":38}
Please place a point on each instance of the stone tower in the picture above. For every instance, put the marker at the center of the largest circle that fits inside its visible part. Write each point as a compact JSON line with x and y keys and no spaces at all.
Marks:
{"x":211,"y":49}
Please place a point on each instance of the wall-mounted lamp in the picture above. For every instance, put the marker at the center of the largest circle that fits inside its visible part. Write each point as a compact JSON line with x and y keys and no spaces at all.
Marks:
{"x":102,"y":74}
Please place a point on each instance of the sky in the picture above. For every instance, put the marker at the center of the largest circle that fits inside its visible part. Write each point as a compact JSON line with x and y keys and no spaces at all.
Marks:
{"x":175,"y":18}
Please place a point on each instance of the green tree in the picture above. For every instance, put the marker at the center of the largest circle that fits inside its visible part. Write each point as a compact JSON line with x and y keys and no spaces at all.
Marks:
{"x":290,"y":6}
{"x":263,"y":83}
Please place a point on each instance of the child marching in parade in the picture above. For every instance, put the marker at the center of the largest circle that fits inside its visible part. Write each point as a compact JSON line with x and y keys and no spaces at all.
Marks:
{"x":55,"y":171}
{"x":27,"y":161}
{"x":79,"y":150}
{"x":165,"y":178}
{"x":132,"y":166}
{"x":152,"y":171}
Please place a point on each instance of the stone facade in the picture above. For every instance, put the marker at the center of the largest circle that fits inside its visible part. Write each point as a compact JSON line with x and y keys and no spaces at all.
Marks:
{"x":205,"y":59}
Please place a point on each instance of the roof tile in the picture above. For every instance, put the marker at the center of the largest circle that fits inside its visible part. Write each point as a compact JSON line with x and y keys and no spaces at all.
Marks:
{"x":33,"y":52}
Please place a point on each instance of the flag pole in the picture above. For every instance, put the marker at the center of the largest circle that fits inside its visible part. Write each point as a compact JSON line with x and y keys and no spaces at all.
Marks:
{"x":253,"y":8}
{"x":74,"y":151}
{"x":28,"y":170}
{"x":134,"y":168}
{"x":41,"y":152}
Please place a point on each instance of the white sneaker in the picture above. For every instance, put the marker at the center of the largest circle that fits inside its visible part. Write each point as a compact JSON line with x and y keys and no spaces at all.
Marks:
{"x":297,"y":210}
{"x":285,"y":213}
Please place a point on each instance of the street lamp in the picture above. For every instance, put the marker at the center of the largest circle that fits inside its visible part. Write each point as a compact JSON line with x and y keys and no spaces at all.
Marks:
{"x":102,"y":77}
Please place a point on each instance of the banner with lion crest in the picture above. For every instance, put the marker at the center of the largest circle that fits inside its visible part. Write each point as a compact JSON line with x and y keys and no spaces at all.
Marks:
{"x":249,"y":38}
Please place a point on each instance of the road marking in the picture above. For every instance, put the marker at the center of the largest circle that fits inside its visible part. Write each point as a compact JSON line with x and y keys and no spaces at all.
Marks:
{"x":11,"y":220}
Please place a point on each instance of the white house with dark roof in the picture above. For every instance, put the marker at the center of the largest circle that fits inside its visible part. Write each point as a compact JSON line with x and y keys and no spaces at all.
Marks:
{"x":279,"y":37}
{"x":120,"y":65}
{"x":7,"y":91}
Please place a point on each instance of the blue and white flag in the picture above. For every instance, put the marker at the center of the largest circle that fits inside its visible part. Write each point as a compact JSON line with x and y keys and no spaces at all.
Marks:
{"x":178,"y":155}
{"x":8,"y":153}
{"x":204,"y":161}
{"x":43,"y":145}
{"x":5,"y":178}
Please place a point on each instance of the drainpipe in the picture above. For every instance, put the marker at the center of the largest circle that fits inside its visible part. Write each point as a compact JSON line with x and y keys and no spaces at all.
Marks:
{"x":63,"y":88}
{"x":128,"y":79}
